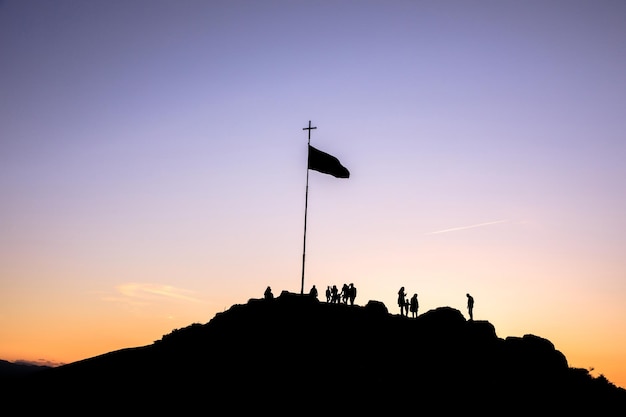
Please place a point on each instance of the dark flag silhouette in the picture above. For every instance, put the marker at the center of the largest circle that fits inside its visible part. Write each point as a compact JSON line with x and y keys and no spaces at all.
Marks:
{"x":326,"y":164}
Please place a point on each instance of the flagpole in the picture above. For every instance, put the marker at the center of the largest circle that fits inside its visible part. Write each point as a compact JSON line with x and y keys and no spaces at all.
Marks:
{"x":306,"y":202}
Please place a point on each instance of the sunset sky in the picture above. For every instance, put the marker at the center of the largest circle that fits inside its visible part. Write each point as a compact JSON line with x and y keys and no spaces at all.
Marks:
{"x":153,"y":165}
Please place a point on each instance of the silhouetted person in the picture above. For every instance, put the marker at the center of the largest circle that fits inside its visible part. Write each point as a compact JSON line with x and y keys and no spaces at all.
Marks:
{"x":334,"y":295}
{"x":414,"y":305}
{"x":406,"y":307}
{"x":344,"y":293}
{"x":268,"y":293}
{"x":401,"y":300}
{"x":470,"y":306}
{"x":313,"y":292}
{"x":352,"y":293}
{"x":328,"y":294}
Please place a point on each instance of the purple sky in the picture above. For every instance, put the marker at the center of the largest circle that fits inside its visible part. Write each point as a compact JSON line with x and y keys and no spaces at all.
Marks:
{"x":153,"y":164}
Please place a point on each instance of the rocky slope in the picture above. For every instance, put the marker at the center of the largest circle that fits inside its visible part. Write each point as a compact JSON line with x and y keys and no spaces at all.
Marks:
{"x":296,"y":354}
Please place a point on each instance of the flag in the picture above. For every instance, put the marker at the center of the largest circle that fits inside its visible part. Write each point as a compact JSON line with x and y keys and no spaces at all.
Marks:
{"x":326,"y":164}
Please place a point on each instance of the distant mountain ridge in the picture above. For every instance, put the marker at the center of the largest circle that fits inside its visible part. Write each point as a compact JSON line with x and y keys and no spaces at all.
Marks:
{"x":295,"y":352}
{"x":18,"y":369}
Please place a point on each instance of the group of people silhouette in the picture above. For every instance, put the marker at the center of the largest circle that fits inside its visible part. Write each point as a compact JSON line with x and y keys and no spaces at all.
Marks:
{"x":345,"y":296}
{"x":412,"y":305}
{"x":348,"y":294}
{"x":407,"y":305}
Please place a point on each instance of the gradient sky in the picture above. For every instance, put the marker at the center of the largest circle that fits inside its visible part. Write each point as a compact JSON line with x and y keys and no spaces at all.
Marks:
{"x":153,"y":165}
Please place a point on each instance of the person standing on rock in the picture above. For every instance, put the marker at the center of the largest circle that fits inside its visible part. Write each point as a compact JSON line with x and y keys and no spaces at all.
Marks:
{"x":414,"y":306}
{"x":334,"y":295}
{"x":470,"y":306}
{"x":352,"y":293}
{"x":345,"y":293}
{"x":401,"y":300}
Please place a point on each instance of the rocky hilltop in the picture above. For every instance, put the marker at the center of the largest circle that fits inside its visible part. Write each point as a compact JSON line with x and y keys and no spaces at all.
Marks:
{"x":294,"y":354}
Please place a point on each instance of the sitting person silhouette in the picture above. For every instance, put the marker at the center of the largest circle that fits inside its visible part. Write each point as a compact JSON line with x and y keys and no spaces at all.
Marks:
{"x":268,"y":293}
{"x":313,"y":292}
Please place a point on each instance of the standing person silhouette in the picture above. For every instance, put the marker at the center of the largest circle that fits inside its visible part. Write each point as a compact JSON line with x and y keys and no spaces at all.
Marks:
{"x":345,"y":290}
{"x":470,"y":306}
{"x":414,"y":306}
{"x":328,"y":294}
{"x":401,"y":300}
{"x":352,"y":294}
{"x":334,"y":294}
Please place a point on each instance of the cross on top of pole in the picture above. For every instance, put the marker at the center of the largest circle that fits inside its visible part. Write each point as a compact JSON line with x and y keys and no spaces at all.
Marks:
{"x":309,"y":129}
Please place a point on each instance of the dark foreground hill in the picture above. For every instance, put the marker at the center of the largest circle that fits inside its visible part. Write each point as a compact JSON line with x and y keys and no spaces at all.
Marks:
{"x":295,"y":355}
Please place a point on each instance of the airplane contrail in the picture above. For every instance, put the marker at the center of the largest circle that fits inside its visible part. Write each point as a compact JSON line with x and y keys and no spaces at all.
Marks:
{"x":454,"y":229}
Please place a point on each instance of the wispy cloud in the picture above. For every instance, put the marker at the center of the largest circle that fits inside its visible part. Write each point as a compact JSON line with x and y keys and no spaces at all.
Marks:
{"x":473,"y":226}
{"x":144,"y":292}
{"x":39,"y":362}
